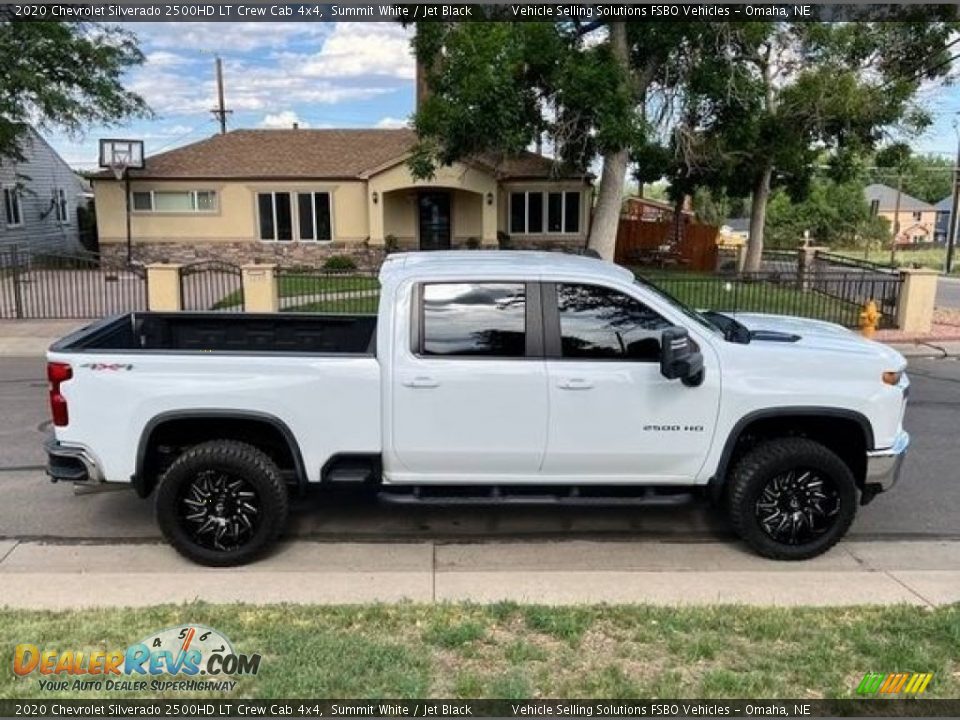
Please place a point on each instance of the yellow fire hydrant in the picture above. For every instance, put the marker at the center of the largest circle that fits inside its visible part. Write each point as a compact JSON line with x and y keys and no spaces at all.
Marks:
{"x":869,"y":319}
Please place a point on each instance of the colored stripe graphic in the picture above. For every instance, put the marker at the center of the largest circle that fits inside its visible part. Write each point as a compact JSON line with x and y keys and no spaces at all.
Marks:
{"x":893,"y":683}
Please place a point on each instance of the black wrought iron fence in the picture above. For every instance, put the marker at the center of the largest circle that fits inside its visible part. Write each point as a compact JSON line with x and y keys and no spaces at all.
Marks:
{"x":834,"y":296}
{"x":81,"y":285}
{"x":211,"y":285}
{"x":320,"y":291}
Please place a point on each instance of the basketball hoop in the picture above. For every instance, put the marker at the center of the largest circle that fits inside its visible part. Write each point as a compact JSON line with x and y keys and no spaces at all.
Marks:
{"x":119,"y":167}
{"x":121,"y":155}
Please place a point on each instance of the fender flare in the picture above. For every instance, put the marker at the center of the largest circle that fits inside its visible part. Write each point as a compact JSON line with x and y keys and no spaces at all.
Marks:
{"x":139,"y":479}
{"x":718,"y":478}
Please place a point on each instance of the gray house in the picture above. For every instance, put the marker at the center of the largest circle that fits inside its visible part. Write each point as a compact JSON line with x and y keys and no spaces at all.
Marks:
{"x":40,"y":196}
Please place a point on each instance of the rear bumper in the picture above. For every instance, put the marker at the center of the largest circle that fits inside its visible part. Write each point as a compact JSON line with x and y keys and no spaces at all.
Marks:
{"x":883,"y":466}
{"x":71,"y":464}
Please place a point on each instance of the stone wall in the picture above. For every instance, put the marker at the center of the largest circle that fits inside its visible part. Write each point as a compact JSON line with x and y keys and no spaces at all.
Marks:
{"x":241,"y":253}
{"x":367,"y":257}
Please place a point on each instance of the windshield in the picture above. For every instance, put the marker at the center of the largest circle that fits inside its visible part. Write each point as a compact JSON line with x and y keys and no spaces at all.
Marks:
{"x":688,"y":311}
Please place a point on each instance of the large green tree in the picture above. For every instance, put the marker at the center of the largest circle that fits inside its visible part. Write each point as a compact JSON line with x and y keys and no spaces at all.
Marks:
{"x":790,"y":91}
{"x":65,"y":75}
{"x":593,"y":92}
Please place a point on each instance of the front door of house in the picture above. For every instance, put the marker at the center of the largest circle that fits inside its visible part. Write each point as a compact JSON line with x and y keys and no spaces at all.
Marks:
{"x":434,"y":219}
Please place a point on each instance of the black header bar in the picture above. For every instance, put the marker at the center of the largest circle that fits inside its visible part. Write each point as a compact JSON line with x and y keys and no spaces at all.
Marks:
{"x":353,"y":11}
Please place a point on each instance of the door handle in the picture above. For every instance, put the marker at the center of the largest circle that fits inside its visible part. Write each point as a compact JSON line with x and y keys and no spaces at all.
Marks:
{"x":421,"y":382}
{"x":575,"y":384}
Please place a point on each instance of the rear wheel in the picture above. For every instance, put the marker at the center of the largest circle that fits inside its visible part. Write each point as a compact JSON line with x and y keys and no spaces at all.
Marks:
{"x":791,"y":499}
{"x":222,"y":503}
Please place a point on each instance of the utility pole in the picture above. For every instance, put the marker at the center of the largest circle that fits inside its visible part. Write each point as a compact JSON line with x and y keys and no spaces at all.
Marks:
{"x":896,"y":219}
{"x":220,"y":112}
{"x":952,"y":235}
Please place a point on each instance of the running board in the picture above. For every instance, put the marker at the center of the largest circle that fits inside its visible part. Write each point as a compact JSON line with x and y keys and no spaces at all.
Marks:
{"x":573,"y":499}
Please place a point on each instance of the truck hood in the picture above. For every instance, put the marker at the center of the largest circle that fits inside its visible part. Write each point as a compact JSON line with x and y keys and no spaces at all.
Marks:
{"x":787,"y":331}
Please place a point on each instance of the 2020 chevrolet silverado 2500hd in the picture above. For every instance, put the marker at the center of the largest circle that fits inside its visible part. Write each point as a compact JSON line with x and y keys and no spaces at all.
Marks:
{"x":485,"y":377}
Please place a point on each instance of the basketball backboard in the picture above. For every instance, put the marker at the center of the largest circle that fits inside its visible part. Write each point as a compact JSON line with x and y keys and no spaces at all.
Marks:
{"x":120,"y":155}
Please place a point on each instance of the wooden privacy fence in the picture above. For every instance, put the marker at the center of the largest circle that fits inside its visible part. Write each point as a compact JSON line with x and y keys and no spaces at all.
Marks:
{"x":640,"y":243}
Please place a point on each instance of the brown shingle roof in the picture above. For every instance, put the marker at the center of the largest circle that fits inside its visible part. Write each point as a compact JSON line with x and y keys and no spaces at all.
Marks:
{"x":306,"y":154}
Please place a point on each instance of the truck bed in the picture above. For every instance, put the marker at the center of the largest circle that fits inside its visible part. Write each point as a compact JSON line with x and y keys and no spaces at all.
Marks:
{"x":227,"y":332}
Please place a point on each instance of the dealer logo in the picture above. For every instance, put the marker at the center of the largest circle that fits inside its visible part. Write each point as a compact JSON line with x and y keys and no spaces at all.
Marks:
{"x":184,"y":652}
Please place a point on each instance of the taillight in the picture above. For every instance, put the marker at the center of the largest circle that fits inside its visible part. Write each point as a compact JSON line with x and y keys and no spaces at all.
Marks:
{"x":58,"y":373}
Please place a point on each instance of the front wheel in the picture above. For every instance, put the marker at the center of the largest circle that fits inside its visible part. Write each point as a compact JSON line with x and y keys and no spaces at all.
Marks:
{"x":791,"y":498}
{"x":222,"y":503}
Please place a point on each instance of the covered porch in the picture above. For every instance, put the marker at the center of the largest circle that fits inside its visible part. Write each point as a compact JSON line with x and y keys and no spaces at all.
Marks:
{"x":455,"y":208}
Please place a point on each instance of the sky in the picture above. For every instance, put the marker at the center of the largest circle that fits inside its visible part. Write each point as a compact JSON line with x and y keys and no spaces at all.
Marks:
{"x":316,"y":74}
{"x":275,"y":74}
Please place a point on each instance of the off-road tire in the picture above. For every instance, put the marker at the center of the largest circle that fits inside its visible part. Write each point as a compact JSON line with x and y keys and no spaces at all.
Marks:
{"x":239,"y":460}
{"x":770,"y":459}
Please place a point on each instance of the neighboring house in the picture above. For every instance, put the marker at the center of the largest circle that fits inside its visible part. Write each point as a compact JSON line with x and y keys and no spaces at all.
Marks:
{"x":944,"y":209}
{"x":41,"y":194}
{"x":738,"y":228}
{"x":302,"y":195}
{"x":918,"y":219}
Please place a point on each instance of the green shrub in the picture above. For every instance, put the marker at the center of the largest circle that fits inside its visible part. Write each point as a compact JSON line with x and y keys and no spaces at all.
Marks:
{"x":339,"y":263}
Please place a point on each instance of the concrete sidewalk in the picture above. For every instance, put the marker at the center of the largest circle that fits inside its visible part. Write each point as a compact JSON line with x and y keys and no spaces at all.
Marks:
{"x":52,"y":576}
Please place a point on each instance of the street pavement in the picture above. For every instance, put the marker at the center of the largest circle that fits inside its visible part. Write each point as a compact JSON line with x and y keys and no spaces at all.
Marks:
{"x":58,"y":550}
{"x":948,"y":292}
{"x":923,"y":505}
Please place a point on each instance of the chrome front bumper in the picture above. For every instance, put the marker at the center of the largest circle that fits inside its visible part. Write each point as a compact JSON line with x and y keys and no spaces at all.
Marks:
{"x":883,"y":466}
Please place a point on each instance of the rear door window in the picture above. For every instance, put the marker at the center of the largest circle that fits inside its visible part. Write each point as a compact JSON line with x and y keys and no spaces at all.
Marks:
{"x":474,"y":320}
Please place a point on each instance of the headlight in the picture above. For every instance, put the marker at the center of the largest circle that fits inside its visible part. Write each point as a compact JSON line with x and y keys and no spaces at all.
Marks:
{"x":892,"y":377}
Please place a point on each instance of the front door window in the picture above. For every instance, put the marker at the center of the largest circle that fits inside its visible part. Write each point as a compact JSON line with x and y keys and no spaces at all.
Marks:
{"x":434,"y":220}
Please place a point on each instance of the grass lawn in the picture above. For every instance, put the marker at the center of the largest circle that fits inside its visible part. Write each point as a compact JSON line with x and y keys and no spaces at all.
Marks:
{"x":929,"y":257}
{"x":710,"y":292}
{"x":512,"y":651}
{"x":311,"y":284}
{"x":350,"y":306}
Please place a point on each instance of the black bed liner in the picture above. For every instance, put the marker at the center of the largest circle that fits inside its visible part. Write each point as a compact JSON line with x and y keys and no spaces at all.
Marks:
{"x":227,"y":332}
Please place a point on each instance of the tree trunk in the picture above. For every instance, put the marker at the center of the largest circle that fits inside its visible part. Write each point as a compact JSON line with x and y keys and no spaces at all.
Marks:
{"x":758,"y":217}
{"x":606,"y":214}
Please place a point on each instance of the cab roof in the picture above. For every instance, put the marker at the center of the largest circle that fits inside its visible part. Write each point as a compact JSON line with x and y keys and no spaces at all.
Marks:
{"x":492,"y":264}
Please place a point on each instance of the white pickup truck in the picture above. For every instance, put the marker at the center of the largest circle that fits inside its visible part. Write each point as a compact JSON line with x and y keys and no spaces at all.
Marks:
{"x":486,"y":377}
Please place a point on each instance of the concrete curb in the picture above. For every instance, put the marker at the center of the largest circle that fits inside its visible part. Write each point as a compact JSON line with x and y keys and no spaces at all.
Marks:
{"x":60,"y":576}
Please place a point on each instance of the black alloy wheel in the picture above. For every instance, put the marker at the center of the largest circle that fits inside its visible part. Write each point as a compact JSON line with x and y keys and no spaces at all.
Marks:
{"x":798,"y":506}
{"x":219,"y":511}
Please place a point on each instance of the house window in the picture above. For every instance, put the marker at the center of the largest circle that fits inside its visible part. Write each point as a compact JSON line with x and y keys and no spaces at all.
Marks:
{"x":11,"y":205}
{"x":59,"y":202}
{"x":281,"y":213}
{"x":559,"y":212}
{"x":175,"y":201}
{"x":874,"y":208}
{"x":313,"y":210}
{"x":916,"y":217}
